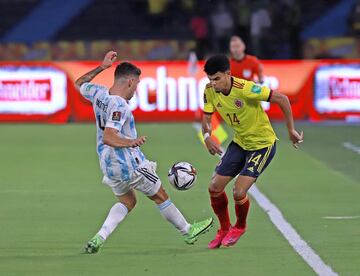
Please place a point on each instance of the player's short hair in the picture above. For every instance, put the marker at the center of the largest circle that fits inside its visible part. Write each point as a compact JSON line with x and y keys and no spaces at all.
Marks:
{"x":217,"y":63}
{"x":125,"y":69}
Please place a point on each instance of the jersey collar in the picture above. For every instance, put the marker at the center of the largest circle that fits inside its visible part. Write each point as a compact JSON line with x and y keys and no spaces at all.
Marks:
{"x":239,"y":60}
{"x":232,"y":83}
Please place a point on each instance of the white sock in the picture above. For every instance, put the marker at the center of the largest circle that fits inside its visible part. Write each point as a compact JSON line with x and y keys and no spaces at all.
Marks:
{"x":117,"y":213}
{"x":169,"y":211}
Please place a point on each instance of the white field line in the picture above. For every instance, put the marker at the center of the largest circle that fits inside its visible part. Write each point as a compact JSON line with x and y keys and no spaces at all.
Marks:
{"x":341,"y":217}
{"x":351,"y":147}
{"x":289,"y":233}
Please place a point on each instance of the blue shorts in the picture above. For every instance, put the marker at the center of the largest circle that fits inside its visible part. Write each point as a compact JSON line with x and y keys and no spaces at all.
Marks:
{"x":252,"y":163}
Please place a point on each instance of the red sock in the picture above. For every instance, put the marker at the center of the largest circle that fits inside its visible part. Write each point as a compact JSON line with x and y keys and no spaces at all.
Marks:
{"x":220,"y":207}
{"x":241,"y":210}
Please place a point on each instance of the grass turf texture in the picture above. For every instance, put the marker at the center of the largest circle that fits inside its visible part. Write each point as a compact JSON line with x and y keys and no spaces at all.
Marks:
{"x":52,"y":201}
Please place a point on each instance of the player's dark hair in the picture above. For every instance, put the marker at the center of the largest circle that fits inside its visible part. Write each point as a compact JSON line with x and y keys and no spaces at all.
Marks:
{"x":217,"y":63}
{"x":125,"y":69}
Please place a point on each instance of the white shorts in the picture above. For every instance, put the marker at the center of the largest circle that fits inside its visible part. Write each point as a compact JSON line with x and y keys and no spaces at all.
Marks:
{"x":144,"y":179}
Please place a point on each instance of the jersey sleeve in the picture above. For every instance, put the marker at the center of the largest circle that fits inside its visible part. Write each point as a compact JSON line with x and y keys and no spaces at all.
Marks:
{"x":117,"y":116}
{"x":89,"y":90}
{"x":256,"y":92}
{"x":208,"y":103}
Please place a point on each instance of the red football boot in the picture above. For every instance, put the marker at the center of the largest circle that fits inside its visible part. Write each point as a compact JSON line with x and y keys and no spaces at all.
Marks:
{"x":215,"y":243}
{"x":233,"y":236}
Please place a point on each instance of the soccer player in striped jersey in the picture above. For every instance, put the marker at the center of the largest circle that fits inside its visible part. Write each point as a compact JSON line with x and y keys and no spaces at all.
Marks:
{"x":124,"y":166}
{"x":252,"y":149}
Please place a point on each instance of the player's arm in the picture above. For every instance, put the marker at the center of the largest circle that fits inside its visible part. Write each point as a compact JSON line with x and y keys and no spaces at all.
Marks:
{"x":284,"y":103}
{"x":209,"y":109}
{"x":112,"y":139}
{"x":109,"y":59}
{"x":211,"y":145}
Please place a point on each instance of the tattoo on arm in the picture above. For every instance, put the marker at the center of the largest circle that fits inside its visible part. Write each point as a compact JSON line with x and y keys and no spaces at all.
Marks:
{"x":88,"y":76}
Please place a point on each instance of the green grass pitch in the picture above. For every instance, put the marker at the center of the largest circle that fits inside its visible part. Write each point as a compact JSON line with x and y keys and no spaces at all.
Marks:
{"x":52,"y":201}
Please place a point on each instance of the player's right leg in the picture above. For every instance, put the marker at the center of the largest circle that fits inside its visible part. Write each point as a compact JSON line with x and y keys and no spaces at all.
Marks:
{"x":117,"y":214}
{"x":219,"y":203}
{"x":150,"y":184}
{"x":172,"y":214}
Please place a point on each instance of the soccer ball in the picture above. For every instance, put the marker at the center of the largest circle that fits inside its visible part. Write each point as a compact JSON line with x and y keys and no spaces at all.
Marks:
{"x":182,"y":176}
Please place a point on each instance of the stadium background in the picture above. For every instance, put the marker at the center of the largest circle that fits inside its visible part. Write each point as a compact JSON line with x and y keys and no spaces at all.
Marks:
{"x":50,"y":198}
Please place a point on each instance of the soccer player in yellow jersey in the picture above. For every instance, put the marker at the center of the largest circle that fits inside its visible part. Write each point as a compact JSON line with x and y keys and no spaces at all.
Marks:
{"x":253,"y":146}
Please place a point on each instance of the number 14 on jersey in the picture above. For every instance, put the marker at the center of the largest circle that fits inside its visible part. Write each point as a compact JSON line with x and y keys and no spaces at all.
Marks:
{"x":233,"y":118}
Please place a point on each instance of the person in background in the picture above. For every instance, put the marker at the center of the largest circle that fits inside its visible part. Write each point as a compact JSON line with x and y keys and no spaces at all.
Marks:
{"x":242,"y":65}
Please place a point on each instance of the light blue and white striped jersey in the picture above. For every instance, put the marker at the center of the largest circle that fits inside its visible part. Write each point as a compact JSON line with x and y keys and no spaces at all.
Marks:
{"x":114,"y":112}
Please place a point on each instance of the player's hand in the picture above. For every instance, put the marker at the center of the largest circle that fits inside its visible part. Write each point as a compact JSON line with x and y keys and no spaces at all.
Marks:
{"x":138,"y":141}
{"x":296,"y":138}
{"x":212,"y":146}
{"x":109,"y":59}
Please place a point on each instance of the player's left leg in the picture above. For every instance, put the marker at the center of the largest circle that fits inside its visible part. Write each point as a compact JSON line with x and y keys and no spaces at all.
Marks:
{"x":149,"y":184}
{"x":117,"y":214}
{"x":169,"y":211}
{"x":219,"y":203}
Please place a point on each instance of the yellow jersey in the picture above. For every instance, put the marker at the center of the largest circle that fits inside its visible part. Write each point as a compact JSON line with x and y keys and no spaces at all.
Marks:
{"x":241,"y":109}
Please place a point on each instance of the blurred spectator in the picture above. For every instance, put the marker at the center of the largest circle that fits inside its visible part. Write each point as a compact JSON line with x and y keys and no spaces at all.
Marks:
{"x":40,"y":51}
{"x":317,"y":49}
{"x":188,"y":5}
{"x":323,"y":51}
{"x":355,"y":19}
{"x":269,"y":28}
{"x":3,"y":52}
{"x":242,"y":11}
{"x":156,"y":12}
{"x":292,"y":15}
{"x":199,"y":26}
{"x":12,"y":51}
{"x":260,"y":23}
{"x":161,"y":50}
{"x":222,"y":24}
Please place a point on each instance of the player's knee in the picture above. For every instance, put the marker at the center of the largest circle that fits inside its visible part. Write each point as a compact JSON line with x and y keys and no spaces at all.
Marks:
{"x":160,"y":196}
{"x":217,"y":185}
{"x":239,"y":194}
{"x":215,"y":191}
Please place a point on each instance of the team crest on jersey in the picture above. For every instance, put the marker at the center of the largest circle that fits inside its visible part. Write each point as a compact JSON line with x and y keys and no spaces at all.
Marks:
{"x":238,"y":103}
{"x":116,"y":116}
